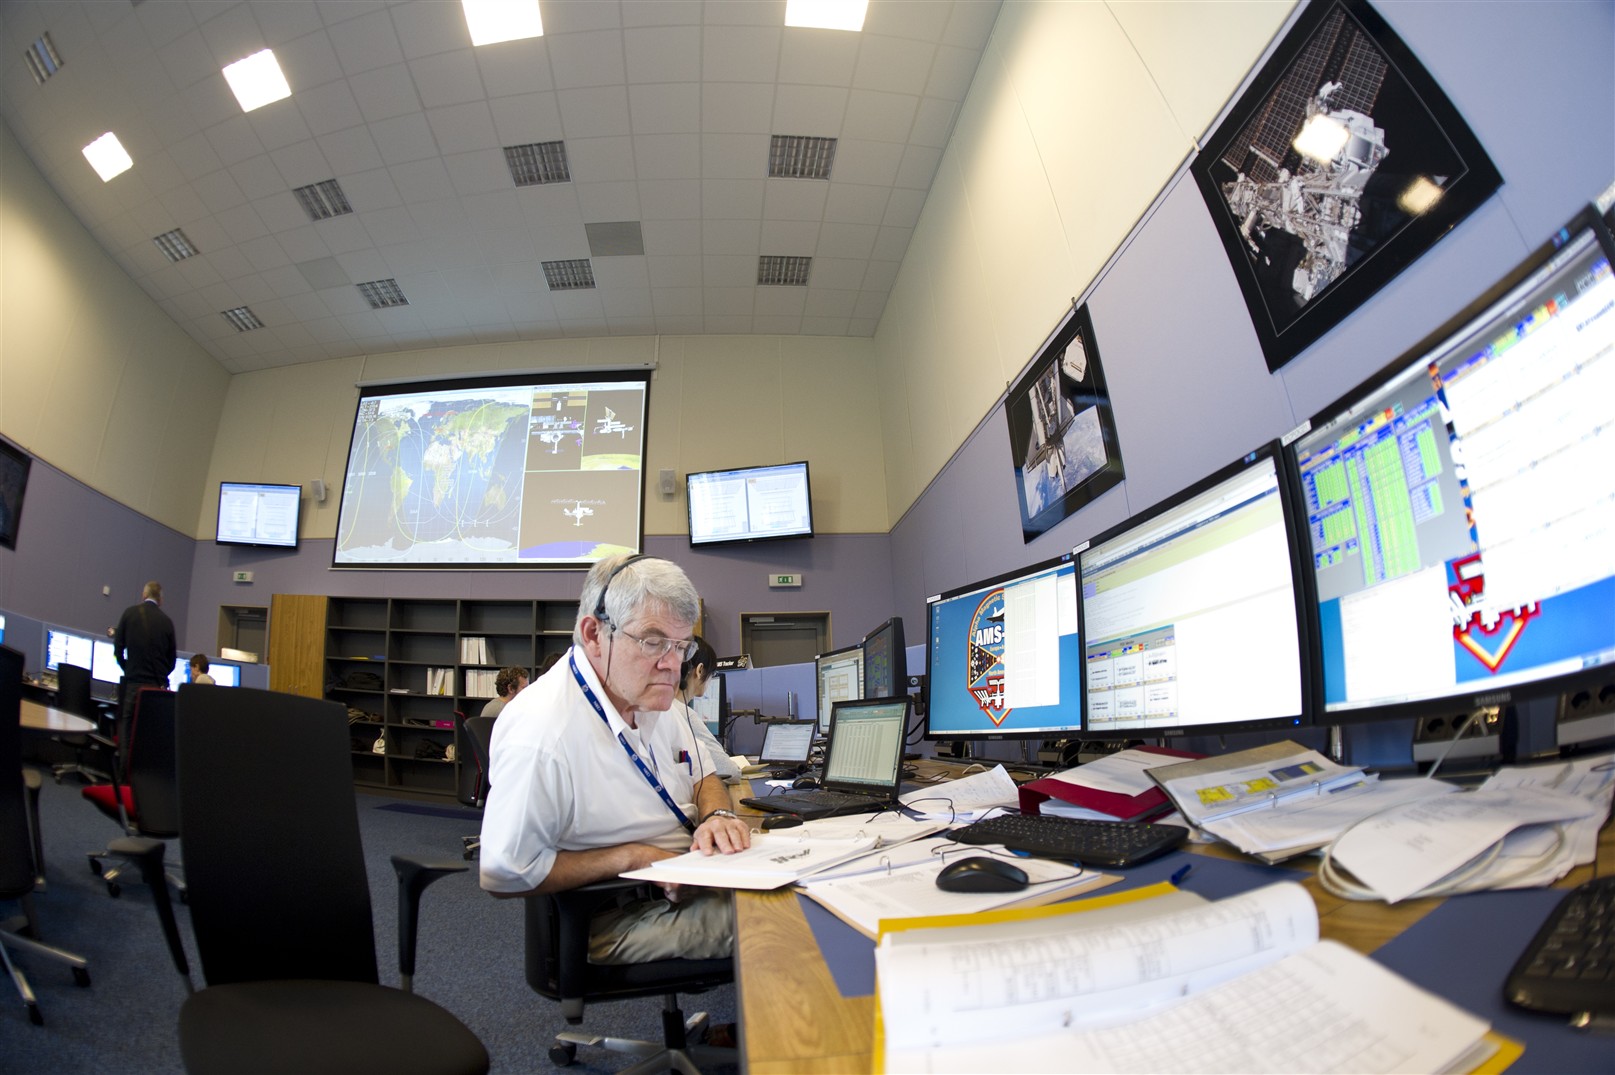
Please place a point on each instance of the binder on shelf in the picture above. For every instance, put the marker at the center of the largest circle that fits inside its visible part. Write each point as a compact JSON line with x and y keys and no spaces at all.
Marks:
{"x":1140,"y":807}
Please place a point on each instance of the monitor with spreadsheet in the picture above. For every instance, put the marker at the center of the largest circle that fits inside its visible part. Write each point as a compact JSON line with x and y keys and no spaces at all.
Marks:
{"x":66,"y":647}
{"x":1004,"y":657}
{"x":865,"y":752}
{"x":885,"y":661}
{"x":787,"y":742}
{"x":1461,"y":503}
{"x":1192,"y":610}
{"x":839,"y":677}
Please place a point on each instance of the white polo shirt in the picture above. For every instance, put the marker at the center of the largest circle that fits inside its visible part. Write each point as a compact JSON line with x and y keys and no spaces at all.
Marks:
{"x":559,"y":780}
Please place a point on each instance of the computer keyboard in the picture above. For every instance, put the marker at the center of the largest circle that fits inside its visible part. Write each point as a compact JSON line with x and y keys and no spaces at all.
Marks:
{"x":1569,"y":966}
{"x":1090,"y":842}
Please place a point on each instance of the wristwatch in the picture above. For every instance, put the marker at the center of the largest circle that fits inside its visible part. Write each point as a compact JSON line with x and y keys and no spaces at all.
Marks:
{"x":718,"y":813}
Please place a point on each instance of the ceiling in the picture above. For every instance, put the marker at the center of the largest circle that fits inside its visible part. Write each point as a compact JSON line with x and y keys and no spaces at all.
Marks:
{"x":666,"y":109}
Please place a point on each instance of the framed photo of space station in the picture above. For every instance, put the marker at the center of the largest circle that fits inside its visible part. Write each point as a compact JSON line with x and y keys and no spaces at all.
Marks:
{"x":1338,"y":168}
{"x":1062,"y":432}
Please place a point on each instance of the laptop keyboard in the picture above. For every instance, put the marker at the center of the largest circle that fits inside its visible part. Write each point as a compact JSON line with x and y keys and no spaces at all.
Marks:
{"x":1084,"y":840}
{"x":1569,"y":966}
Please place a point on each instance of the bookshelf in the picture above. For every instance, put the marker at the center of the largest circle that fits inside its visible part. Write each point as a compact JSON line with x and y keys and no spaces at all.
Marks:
{"x":405,"y":666}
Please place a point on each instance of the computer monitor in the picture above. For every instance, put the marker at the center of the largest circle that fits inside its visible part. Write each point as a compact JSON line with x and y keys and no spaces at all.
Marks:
{"x":787,"y":742}
{"x":104,"y":664}
{"x":712,"y":708}
{"x":1192,"y":611}
{"x":65,"y":647}
{"x":838,"y":677}
{"x":1005,"y":659}
{"x":750,"y":504}
{"x":1461,"y":502}
{"x":224,"y":675}
{"x":885,"y":661}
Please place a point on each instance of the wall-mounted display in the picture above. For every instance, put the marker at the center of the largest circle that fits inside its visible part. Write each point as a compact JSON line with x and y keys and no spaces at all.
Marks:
{"x":14,"y":464}
{"x":513,"y":471}
{"x":1062,"y":433}
{"x":1337,"y":169}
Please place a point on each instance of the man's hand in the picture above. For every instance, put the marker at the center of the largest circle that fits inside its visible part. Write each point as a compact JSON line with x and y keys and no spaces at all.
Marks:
{"x":721,"y":835}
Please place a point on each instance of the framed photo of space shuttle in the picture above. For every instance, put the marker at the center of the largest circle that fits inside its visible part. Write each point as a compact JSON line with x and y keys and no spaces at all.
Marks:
{"x":1062,"y":432}
{"x":1338,"y":168}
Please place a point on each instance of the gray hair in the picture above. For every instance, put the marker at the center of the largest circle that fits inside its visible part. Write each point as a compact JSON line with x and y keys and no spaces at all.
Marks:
{"x":648,"y":581}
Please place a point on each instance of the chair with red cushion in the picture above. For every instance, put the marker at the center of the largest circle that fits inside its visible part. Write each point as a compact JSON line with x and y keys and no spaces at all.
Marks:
{"x":143,"y":794}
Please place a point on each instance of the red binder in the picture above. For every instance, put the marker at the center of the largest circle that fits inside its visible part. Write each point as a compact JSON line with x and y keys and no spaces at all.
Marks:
{"x":1122,"y":807}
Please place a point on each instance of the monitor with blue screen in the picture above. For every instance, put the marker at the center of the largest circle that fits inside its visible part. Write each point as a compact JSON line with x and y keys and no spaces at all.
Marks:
{"x":1461,"y":503}
{"x":65,"y":647}
{"x":1005,"y":659}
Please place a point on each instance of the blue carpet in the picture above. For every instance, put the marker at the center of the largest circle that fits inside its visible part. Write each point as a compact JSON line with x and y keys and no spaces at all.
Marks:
{"x":433,"y":811}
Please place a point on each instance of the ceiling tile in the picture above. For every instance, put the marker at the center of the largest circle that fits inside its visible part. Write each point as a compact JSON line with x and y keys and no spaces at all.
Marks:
{"x":234,"y":140}
{"x":667,"y":156}
{"x":526,"y":118}
{"x":463,"y":128}
{"x":732,"y":199}
{"x":794,"y":238}
{"x":385,"y":92}
{"x":350,"y":151}
{"x":425,"y":29}
{"x":849,"y":203}
{"x":677,"y":238}
{"x":663,"y":54}
{"x":741,"y":238}
{"x":328,"y":108}
{"x":881,"y":117}
{"x":796,"y":199}
{"x":586,"y":59}
{"x":740,"y":53}
{"x":818,"y":57}
{"x":302,"y":164}
{"x":682,"y":272}
{"x":366,"y":42}
{"x":307,"y":62}
{"x":873,"y":163}
{"x":809,"y":110}
{"x":404,"y":139}
{"x":737,"y":108}
{"x":448,"y":78}
{"x":594,"y":112}
{"x":481,"y":172}
{"x":278,"y":124}
{"x":670,"y":199}
{"x":601,"y":159}
{"x":609,"y":201}
{"x":513,"y":67}
{"x":847,"y":240}
{"x":666,"y":108}
{"x":734,"y":156}
{"x":893,"y":64}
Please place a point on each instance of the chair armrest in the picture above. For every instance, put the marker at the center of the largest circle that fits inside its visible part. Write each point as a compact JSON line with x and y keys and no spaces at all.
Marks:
{"x":569,"y":935}
{"x":148,"y":855}
{"x":414,"y":874}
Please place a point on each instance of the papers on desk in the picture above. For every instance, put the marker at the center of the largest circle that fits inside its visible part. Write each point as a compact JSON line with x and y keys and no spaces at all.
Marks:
{"x":773,"y":860}
{"x":966,"y":799}
{"x":1242,"y":984}
{"x":1262,"y":778}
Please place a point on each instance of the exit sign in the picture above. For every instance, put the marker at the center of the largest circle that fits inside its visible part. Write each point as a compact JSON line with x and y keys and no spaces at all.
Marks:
{"x":776,"y":581}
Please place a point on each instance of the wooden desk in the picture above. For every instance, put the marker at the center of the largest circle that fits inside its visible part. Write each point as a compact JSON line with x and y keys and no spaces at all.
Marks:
{"x":44,"y":718}
{"x":793,"y":1018}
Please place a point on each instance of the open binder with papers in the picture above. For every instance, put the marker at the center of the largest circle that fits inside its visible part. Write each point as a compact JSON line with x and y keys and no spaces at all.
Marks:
{"x":1262,"y":778}
{"x":1157,"y":980}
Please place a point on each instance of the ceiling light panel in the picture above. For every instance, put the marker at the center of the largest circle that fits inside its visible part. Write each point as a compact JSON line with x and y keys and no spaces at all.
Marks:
{"x":493,"y":21}
{"x":323,"y":200}
{"x":826,"y":14}
{"x":108,"y":157}
{"x":783,"y":271}
{"x":175,"y":245}
{"x":42,"y":59}
{"x":257,"y":80}
{"x":795,"y":156}
{"x":381,"y":294}
{"x":575,"y":275}
{"x":537,"y":163}
{"x":242,"y":318}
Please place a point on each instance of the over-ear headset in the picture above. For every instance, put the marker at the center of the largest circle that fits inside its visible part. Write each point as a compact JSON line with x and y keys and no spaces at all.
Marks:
{"x":600,"y":605}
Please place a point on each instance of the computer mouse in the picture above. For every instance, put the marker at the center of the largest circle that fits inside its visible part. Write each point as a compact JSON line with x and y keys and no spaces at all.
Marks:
{"x":805,"y":782}
{"x":781,"y":821}
{"x":981,"y":873}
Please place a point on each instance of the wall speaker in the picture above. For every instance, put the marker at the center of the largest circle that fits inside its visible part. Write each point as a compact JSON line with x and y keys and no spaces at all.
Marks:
{"x":318,"y":489}
{"x":669,"y":483}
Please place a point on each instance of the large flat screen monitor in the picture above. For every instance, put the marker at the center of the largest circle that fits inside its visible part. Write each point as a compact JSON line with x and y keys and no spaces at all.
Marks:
{"x":1461,"y":503}
{"x":65,"y":647}
{"x":104,"y":664}
{"x":515,"y":471}
{"x":750,"y":504}
{"x":885,"y":661}
{"x":14,"y":466}
{"x":1004,"y":657}
{"x":254,"y":513}
{"x":1192,"y":611}
{"x":838,"y":677}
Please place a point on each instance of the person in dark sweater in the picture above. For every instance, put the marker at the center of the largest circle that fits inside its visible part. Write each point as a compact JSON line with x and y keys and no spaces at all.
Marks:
{"x":145,"y":646}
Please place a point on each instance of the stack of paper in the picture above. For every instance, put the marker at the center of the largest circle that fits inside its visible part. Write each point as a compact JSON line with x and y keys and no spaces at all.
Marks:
{"x":772,"y":861}
{"x":966,"y":799}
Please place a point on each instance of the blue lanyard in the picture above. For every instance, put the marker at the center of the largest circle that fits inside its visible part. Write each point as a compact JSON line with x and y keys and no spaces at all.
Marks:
{"x":633,"y":755}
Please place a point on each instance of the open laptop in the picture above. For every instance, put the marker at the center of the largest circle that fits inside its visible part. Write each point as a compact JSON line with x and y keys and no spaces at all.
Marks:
{"x":786,"y":745}
{"x":863,"y":763}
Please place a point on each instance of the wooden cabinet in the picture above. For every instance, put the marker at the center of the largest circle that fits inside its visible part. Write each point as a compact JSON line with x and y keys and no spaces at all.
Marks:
{"x":405,"y":666}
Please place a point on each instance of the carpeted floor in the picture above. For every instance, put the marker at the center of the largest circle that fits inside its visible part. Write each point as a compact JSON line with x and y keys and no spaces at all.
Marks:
{"x":470,"y":957}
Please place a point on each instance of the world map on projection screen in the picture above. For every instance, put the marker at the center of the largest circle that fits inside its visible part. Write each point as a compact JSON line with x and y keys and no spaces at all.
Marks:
{"x":496,"y":474}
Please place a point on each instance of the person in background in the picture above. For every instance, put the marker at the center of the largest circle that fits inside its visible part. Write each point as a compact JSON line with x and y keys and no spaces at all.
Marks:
{"x":592,"y":777}
{"x":199,"y":667}
{"x":693,"y":680}
{"x":144,"y":645}
{"x":507,"y":684}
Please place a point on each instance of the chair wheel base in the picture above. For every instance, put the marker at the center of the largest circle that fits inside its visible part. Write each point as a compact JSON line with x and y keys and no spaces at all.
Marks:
{"x":95,"y":863}
{"x":35,"y":1016}
{"x":563,"y":1054}
{"x":114,"y":889}
{"x":81,"y":977}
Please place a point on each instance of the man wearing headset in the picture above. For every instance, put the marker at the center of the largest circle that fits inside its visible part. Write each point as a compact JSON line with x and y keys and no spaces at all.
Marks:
{"x":591,"y":776}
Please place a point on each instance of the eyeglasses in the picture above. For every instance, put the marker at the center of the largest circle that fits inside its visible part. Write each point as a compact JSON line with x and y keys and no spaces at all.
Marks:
{"x":655,"y":647}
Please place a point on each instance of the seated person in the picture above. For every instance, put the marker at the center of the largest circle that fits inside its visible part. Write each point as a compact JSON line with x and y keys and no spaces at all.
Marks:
{"x":199,"y":667}
{"x":507,"y":684}
{"x":695,"y":675}
{"x":589,"y":774}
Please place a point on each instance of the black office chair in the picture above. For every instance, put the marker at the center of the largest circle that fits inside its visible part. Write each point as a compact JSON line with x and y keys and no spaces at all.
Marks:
{"x":143,"y":794}
{"x":17,"y":867}
{"x":280,"y":904}
{"x":73,"y":696}
{"x":558,"y":967}
{"x":477,"y":734}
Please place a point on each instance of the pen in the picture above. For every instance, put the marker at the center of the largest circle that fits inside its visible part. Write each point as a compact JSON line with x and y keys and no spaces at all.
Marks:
{"x":684,"y":756}
{"x":1180,"y":874}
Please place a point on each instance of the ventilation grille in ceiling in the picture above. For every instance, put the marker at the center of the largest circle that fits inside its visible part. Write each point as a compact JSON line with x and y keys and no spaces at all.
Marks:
{"x":175,"y":245}
{"x":538,"y":162}
{"x":576,"y":275}
{"x":324,"y":200}
{"x":42,"y":59}
{"x":789,"y":272}
{"x":795,"y":156}
{"x":242,"y":318}
{"x":381,"y":294}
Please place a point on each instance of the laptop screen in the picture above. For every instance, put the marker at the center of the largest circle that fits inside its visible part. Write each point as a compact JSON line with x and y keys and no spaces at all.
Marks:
{"x":865,"y":752}
{"x":787,"y":742}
